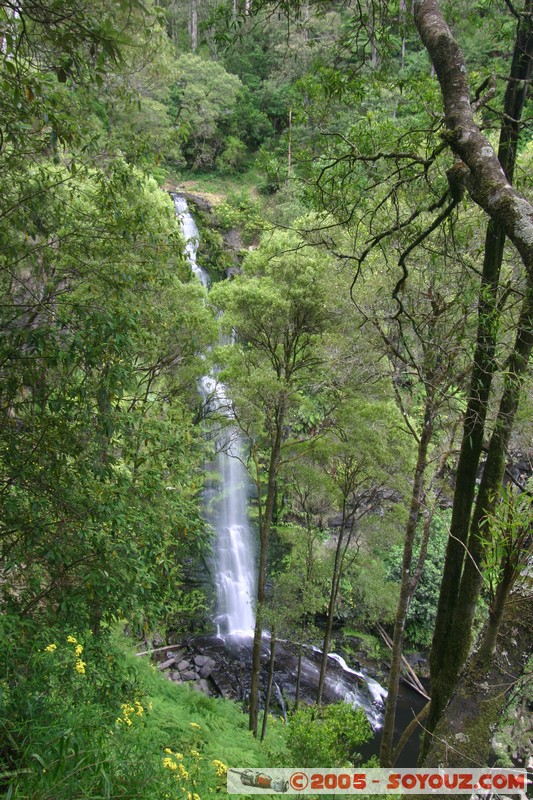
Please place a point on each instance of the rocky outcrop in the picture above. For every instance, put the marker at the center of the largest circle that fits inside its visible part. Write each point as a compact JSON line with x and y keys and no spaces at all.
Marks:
{"x":221,"y":667}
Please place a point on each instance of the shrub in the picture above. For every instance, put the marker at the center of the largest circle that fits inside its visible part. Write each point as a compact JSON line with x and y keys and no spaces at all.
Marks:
{"x":327,"y":736}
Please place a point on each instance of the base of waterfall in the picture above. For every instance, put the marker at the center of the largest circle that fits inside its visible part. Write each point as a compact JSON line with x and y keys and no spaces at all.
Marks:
{"x":221,"y":666}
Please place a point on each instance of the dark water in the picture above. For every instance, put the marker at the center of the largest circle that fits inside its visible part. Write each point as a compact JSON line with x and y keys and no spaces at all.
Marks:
{"x":410,"y":703}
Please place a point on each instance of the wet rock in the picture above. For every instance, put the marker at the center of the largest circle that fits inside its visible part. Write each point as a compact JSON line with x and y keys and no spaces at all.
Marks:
{"x":188,"y":675}
{"x":183,"y":665}
{"x":207,"y":668}
{"x":200,"y":660}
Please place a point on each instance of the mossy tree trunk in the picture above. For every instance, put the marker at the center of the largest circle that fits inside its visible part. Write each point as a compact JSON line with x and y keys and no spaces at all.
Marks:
{"x":464,"y":733}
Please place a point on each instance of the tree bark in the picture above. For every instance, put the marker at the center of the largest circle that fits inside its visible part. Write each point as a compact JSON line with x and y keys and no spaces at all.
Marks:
{"x":407,"y":587}
{"x":271,"y":665}
{"x":463,"y":735}
{"x":487,"y":183}
{"x":263,"y":561}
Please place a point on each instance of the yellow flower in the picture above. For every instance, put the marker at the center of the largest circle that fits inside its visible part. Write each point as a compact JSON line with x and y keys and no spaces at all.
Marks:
{"x":195,"y":753}
{"x":78,"y":650}
{"x":195,"y":725}
{"x":71,"y":640}
{"x":169,"y":763}
{"x":183,"y":772}
{"x":139,"y":710}
{"x":50,"y":648}
{"x":167,"y":750}
{"x":220,"y":767}
{"x":79,"y":666}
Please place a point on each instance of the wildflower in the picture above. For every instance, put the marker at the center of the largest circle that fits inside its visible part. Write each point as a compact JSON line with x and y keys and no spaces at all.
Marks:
{"x":195,"y":753}
{"x":220,"y":768}
{"x":167,"y":750}
{"x":169,"y":763}
{"x":195,"y":725}
{"x":50,"y":648}
{"x":139,"y":710}
{"x":79,"y":666}
{"x":71,"y":640}
{"x":78,"y":650}
{"x":182,"y":771}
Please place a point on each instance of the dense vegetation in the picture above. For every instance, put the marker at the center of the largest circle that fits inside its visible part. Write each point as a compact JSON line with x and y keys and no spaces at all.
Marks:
{"x":381,"y":305}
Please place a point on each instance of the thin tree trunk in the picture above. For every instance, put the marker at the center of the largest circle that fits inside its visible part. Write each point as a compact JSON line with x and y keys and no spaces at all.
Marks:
{"x":299,"y":668}
{"x":263,"y":560}
{"x":335,"y":582}
{"x":271,"y":665}
{"x":407,"y":586}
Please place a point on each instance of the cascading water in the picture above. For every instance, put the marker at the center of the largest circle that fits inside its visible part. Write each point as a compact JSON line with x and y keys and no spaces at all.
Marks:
{"x":226,"y":510}
{"x":226,"y":505}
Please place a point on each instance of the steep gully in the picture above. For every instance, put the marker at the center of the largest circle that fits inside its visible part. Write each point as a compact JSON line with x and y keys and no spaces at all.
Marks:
{"x":226,"y":658}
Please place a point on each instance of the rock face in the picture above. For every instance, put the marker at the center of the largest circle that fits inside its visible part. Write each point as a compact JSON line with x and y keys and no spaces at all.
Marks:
{"x":221,"y":667}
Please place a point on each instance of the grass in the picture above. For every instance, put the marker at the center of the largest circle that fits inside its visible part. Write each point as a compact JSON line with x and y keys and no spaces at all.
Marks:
{"x":220,"y":186}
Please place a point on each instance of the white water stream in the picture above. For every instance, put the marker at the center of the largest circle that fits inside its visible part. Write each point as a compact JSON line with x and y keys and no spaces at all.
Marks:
{"x":227,"y":503}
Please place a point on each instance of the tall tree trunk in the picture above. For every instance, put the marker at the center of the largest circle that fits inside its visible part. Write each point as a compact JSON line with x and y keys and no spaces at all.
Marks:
{"x":263,"y":561}
{"x":271,"y":665}
{"x":193,"y":27}
{"x":407,"y":586}
{"x":334,"y":591}
{"x":299,"y":668}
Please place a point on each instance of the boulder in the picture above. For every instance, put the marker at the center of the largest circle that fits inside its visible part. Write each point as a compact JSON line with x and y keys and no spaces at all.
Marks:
{"x":207,"y":667}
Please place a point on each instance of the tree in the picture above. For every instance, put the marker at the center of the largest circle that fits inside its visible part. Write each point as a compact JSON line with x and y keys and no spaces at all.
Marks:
{"x":361,"y":456}
{"x":203,"y":101}
{"x":278,"y":309}
{"x":98,"y":358}
{"x":358,"y":160}
{"x":487,"y":183}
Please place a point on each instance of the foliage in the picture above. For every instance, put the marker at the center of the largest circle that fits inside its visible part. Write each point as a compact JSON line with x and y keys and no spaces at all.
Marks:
{"x":421,"y":614}
{"x":202,"y":102}
{"x":327,"y":736}
{"x":80,"y":717}
{"x":239,"y":211}
{"x":98,"y":335}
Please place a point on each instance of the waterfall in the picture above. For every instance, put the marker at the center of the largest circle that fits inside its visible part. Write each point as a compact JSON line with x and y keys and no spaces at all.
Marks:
{"x":227,"y":502}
